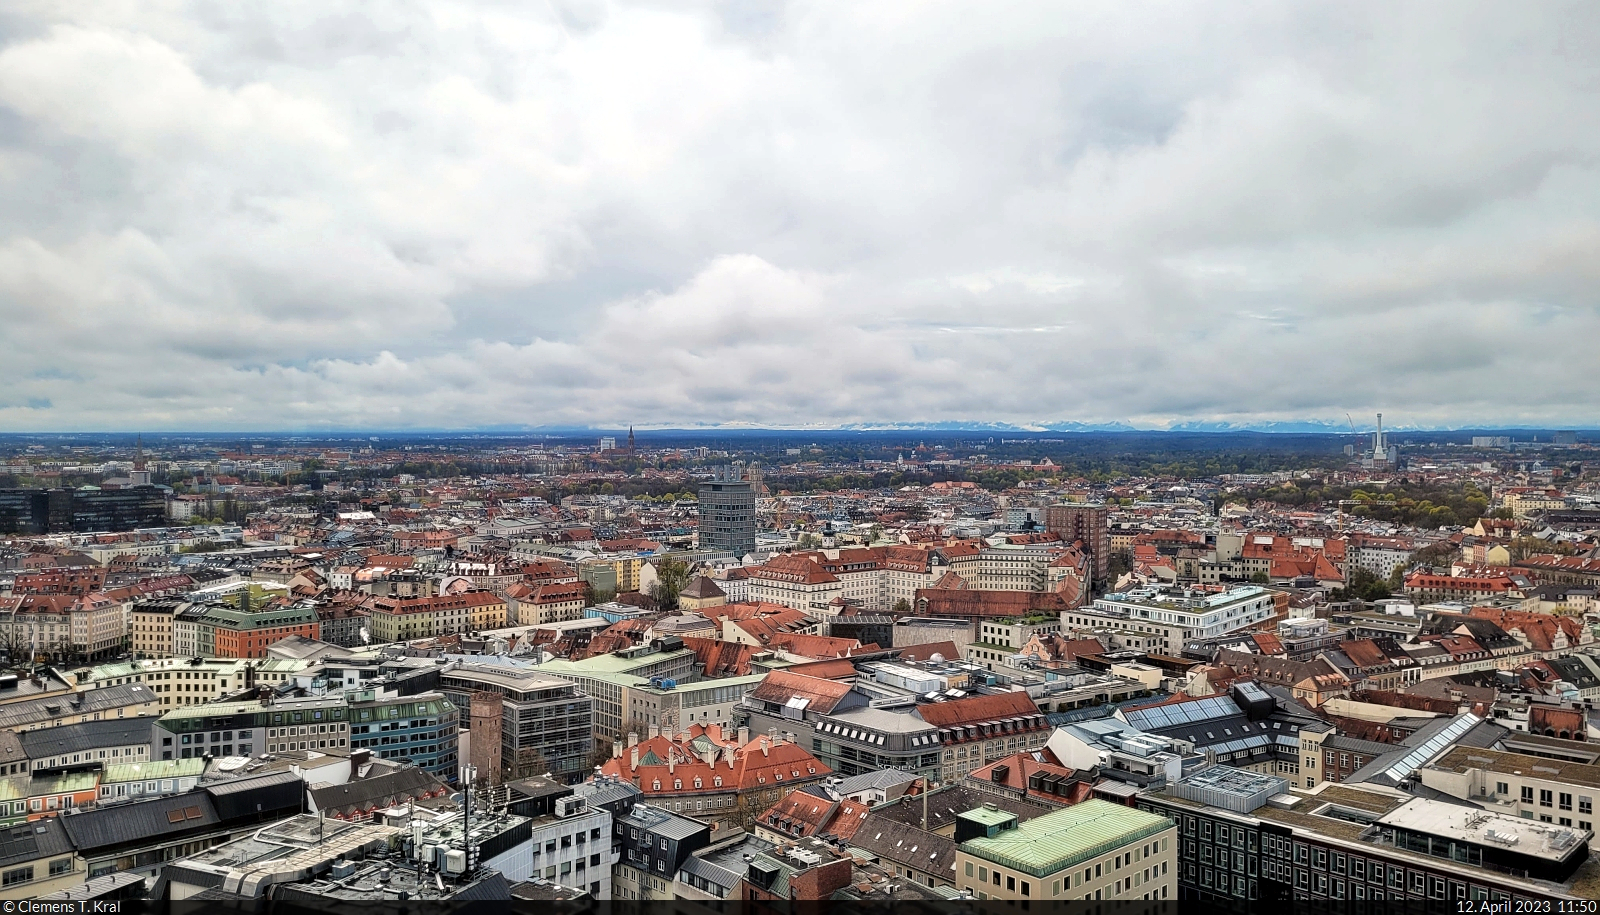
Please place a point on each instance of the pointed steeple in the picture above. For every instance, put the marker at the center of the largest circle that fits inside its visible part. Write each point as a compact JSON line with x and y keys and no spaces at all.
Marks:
{"x":139,"y":476}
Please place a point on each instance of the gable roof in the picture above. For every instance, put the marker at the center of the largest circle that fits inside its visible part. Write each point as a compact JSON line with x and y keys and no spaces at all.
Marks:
{"x":908,"y":846}
{"x":1364,"y":653}
{"x":809,"y":811}
{"x":822,"y":696}
{"x":831,"y":669}
{"x":26,"y":842}
{"x":926,"y":650}
{"x":385,"y":790}
{"x":702,"y":588}
{"x":42,"y":743}
{"x":142,"y":821}
{"x":987,"y":604}
{"x":980,"y":709}
{"x":720,"y":659}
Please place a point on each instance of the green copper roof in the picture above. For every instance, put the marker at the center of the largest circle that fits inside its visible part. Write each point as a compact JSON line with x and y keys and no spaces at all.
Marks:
{"x":160,"y":768}
{"x":59,"y":782}
{"x":612,"y":664}
{"x":1048,"y":844}
{"x":989,"y":817}
{"x":223,"y":709}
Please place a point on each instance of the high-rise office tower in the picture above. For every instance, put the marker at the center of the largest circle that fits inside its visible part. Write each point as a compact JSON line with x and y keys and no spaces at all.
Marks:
{"x":1088,"y":523}
{"x":728,"y":515}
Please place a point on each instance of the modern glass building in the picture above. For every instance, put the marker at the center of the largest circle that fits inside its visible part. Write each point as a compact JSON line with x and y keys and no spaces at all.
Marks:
{"x":423,"y":729}
{"x":728,"y":516}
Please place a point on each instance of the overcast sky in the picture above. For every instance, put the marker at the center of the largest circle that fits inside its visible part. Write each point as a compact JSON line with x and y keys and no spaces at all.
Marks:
{"x":225,"y":215}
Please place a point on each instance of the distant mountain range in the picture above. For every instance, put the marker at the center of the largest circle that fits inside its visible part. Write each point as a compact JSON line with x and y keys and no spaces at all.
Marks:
{"x":1295,"y":427}
{"x":1203,"y":427}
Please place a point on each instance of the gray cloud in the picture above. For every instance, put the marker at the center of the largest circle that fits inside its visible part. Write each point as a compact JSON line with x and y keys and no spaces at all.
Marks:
{"x":455,"y":214}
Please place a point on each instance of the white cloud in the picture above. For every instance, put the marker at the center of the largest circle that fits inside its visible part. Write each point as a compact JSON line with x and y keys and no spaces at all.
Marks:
{"x":468,"y":213}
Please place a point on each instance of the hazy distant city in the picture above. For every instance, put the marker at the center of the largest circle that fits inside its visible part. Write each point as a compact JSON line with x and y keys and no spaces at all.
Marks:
{"x":930,"y":665}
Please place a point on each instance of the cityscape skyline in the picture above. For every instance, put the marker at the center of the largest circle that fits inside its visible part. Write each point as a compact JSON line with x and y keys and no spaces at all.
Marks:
{"x":756,"y":452}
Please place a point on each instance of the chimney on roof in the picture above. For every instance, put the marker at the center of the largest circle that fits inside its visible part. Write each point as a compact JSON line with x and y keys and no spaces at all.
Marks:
{"x":744,"y":736}
{"x":616,"y":749}
{"x":766,"y":747}
{"x":633,"y":738}
{"x":655,"y":731}
{"x":633,"y":760}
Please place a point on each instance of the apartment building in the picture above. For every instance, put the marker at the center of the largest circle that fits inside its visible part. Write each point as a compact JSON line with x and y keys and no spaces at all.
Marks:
{"x":654,"y":844}
{"x":1089,"y":524}
{"x":254,"y":727}
{"x":708,"y":775}
{"x":129,"y":700}
{"x":86,"y":743}
{"x":248,"y":633}
{"x":192,"y":681}
{"x":150,"y":627}
{"x":1164,"y":619}
{"x":798,"y":583}
{"x":1023,"y":564}
{"x":403,"y":619}
{"x":1245,"y":839}
{"x":547,"y":723}
{"x":1094,"y":850}
{"x":421,"y":729}
{"x":1514,"y":784}
{"x":547,"y":602}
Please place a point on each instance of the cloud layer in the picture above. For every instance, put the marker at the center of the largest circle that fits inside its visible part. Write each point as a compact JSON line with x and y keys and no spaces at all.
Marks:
{"x":443,"y":215}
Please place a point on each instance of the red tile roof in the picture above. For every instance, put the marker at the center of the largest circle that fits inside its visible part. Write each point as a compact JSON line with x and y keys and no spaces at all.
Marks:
{"x":987,"y":604}
{"x":780,"y":686}
{"x":719,"y":658}
{"x":1563,"y":722}
{"x":836,"y":669}
{"x":820,"y":647}
{"x":1365,"y":653}
{"x":1020,"y":769}
{"x":947,"y":650}
{"x":1268,"y":643}
{"x":793,"y":569}
{"x":760,"y":764}
{"x":802,"y":814}
{"x":980,"y":709}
